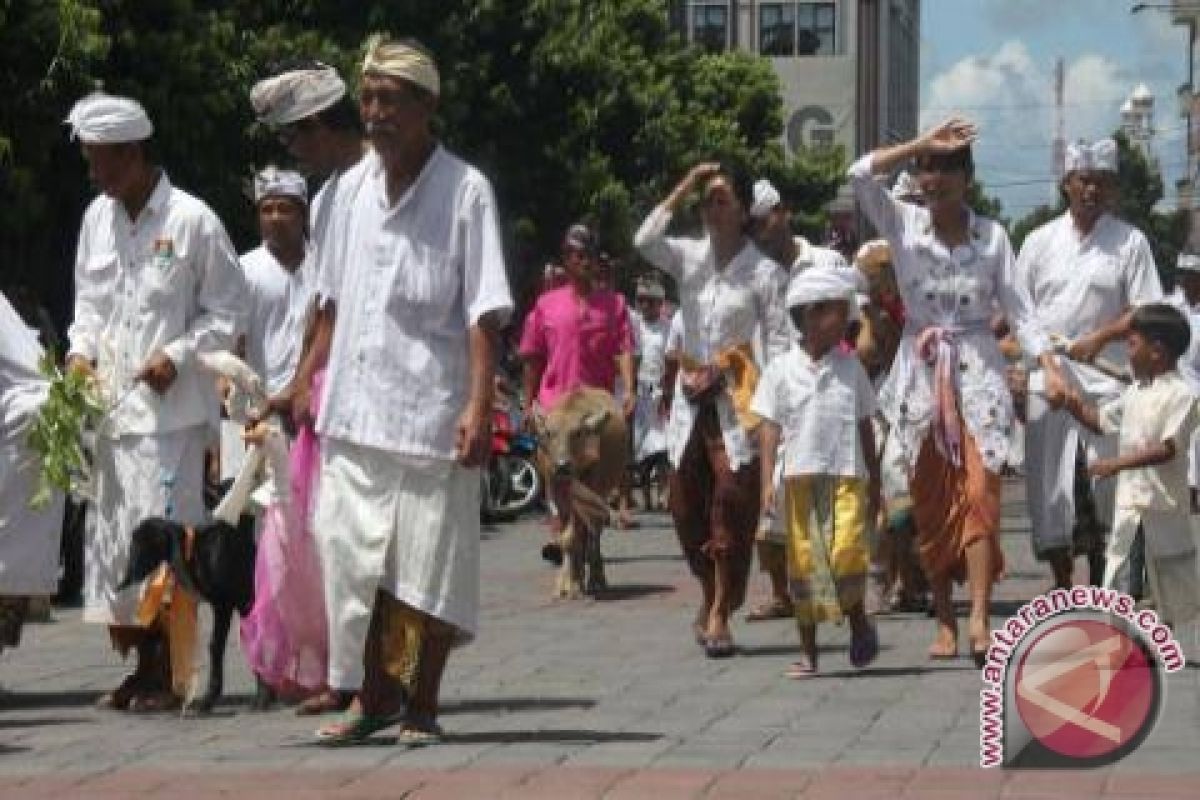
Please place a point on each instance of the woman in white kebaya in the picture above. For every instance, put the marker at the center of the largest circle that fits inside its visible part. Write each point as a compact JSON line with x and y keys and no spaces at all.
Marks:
{"x":946,"y":396}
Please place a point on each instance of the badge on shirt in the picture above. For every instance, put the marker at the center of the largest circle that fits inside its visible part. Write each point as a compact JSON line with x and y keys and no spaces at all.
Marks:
{"x":164,"y":252}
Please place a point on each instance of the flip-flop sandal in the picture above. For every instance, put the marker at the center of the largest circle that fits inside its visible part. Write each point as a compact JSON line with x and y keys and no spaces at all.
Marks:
{"x":419,"y":737}
{"x":799,"y":670}
{"x":353,"y":729}
{"x":767,"y":611}
{"x":864,"y":648}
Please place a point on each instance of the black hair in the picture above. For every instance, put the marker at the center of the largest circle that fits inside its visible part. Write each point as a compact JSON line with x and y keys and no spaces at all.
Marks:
{"x":959,"y":160}
{"x":740,"y":181}
{"x":1164,"y":325}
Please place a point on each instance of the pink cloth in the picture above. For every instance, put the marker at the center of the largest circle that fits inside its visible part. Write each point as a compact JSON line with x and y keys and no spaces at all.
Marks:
{"x":938,"y":346}
{"x":284,"y":637}
{"x":579,"y":338}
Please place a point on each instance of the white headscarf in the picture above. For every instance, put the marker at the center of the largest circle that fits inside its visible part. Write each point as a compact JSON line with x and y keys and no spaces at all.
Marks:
{"x":825,"y":283}
{"x":294,"y":95}
{"x":766,"y":197}
{"x":275,"y":182}
{"x":404,"y":61}
{"x":103,"y":118}
{"x":1101,"y":156}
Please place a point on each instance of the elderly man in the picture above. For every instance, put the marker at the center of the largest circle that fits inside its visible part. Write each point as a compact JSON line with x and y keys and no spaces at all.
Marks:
{"x":1084,"y":271}
{"x":409,"y":321}
{"x":771,"y":221}
{"x":156,"y":285}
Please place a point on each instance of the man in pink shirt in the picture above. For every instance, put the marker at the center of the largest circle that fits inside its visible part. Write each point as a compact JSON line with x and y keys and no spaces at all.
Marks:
{"x":578,"y":335}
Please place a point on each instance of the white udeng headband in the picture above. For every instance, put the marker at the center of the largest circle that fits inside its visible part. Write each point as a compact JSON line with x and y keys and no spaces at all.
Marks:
{"x":1098,"y":157}
{"x":402,"y":61}
{"x":103,"y":118}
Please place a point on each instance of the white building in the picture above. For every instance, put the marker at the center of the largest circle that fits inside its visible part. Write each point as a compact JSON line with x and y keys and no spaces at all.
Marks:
{"x":849,"y":69}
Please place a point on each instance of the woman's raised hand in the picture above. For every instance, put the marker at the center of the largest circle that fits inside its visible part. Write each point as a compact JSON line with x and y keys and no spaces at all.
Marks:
{"x":949,"y":136}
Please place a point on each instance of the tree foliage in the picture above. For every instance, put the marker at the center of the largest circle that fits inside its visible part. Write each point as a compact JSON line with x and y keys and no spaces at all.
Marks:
{"x":574,"y":109}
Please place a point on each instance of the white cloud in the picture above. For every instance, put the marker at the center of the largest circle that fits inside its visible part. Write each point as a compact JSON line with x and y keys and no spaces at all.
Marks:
{"x":1010,"y":95}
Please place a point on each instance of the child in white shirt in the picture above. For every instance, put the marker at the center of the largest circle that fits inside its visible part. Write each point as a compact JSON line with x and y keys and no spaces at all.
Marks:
{"x":818,"y":400}
{"x":1155,"y":418}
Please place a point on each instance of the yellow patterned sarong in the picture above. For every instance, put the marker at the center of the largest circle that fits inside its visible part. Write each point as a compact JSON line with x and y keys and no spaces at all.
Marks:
{"x":827,"y":545}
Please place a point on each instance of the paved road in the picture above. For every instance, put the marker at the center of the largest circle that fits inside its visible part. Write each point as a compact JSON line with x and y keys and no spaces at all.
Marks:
{"x":580,"y":699}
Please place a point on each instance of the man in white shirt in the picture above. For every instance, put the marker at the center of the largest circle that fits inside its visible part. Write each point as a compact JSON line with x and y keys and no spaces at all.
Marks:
{"x":1085,"y":271}
{"x":156,"y":285}
{"x":772,"y":228}
{"x":279,"y":278}
{"x":409,"y":320}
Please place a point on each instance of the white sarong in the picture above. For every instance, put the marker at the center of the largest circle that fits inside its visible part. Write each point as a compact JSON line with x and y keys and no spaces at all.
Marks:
{"x":1051,"y":443}
{"x":136,"y":477}
{"x":407,"y":526}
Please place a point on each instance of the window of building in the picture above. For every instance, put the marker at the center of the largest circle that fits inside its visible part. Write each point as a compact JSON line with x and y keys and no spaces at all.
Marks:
{"x":710,"y":25}
{"x":777,"y":29}
{"x":797,"y":29}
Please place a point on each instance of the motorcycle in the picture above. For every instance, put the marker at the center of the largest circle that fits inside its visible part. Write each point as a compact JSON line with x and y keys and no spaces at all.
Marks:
{"x":509,"y":482}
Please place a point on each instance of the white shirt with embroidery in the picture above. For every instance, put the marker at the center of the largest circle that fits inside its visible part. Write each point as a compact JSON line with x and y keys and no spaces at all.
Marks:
{"x":652,"y":348}
{"x":168,"y":281}
{"x":818,"y":406}
{"x":414,"y":278}
{"x":957,"y":289}
{"x":743,"y":303}
{"x":278,"y":303}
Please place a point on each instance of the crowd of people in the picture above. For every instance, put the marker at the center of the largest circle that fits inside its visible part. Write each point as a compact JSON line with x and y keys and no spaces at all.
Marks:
{"x":848,"y":421}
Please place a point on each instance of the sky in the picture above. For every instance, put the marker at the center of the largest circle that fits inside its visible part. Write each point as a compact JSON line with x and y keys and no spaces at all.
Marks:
{"x":993,"y":62}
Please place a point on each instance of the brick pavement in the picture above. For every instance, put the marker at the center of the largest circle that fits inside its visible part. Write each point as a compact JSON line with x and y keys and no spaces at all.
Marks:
{"x":581,"y":699}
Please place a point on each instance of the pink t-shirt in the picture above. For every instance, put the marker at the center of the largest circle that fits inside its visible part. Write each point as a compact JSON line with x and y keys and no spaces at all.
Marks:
{"x":579,"y":338}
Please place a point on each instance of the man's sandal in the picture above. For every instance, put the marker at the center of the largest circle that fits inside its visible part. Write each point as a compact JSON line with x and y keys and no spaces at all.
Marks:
{"x":419,"y":734}
{"x":353,"y":728}
{"x":801,"y":669}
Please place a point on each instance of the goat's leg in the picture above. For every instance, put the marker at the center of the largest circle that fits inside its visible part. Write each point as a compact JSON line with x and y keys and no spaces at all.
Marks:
{"x":596,"y":582}
{"x":264,"y":695}
{"x":222,"y":616}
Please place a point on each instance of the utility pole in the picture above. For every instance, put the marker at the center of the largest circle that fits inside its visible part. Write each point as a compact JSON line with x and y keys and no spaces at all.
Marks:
{"x":1059,"y":151}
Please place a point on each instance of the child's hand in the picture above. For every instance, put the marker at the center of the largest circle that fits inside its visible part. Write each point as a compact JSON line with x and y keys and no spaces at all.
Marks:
{"x":1103,"y":468}
{"x":256,"y":433}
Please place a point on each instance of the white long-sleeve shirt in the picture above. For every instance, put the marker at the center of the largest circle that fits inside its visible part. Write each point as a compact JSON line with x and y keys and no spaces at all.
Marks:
{"x":742,"y":303}
{"x":278,"y":303}
{"x":167,"y":281}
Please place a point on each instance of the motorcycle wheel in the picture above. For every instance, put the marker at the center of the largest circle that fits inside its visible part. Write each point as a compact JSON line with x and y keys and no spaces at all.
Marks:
{"x":519,"y":487}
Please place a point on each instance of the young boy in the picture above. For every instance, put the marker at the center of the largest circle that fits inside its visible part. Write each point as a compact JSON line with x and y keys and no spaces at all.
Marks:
{"x":818,"y":399}
{"x":1155,"y":418}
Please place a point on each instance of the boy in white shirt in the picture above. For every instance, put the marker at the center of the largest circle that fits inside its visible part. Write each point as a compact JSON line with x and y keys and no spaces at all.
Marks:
{"x":1155,"y":419}
{"x":818,"y":400}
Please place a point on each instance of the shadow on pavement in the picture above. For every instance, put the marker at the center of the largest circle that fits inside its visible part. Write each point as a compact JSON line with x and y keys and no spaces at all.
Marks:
{"x":551,"y":737}
{"x":17,"y":701}
{"x":487,"y":705}
{"x":632,"y":591}
{"x":637,"y":559}
{"x":41,"y":722}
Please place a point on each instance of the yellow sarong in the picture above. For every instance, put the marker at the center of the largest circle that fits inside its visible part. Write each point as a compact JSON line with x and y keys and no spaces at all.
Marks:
{"x":827,"y":545}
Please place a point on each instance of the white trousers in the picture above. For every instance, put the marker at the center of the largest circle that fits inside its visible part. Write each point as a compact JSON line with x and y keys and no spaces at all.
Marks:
{"x":136,"y":477}
{"x":1170,"y":560}
{"x":409,"y":527}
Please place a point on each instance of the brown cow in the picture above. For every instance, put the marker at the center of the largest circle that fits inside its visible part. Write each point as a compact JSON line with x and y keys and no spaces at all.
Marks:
{"x":582,"y":455}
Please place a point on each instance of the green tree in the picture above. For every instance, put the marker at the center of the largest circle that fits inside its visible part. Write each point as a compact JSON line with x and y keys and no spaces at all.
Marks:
{"x":574,"y":109}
